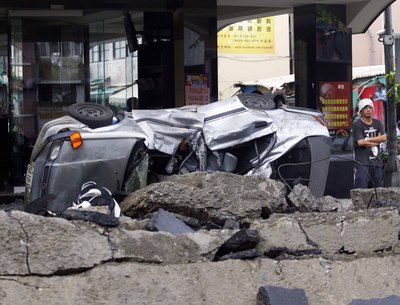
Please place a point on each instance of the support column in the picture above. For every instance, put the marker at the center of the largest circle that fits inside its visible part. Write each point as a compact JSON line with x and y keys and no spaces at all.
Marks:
{"x":179,"y":55}
{"x":323,"y":63}
{"x":392,"y":176}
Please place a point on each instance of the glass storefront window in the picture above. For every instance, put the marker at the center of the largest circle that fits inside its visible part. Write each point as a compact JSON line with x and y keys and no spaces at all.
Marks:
{"x":113,"y":69}
{"x":56,"y":64}
{"x":16,"y":67}
{"x":4,"y":79}
{"x":5,"y":149}
{"x":53,"y":64}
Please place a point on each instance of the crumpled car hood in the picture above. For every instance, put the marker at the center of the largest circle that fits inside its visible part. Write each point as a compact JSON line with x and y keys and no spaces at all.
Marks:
{"x":223,"y":124}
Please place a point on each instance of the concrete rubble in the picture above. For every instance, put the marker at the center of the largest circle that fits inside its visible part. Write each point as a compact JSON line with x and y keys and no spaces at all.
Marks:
{"x":210,"y":239}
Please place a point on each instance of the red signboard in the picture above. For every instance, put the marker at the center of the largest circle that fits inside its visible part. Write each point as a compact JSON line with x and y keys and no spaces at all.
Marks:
{"x":335,"y":104}
{"x":197,"y":89}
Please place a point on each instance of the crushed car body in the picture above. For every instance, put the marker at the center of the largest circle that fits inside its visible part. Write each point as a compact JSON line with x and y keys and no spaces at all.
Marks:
{"x":245,"y":134}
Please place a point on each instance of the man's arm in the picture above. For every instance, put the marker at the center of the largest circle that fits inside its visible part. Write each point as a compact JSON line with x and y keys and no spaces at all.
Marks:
{"x":359,"y":139}
{"x":366,"y":142}
{"x":381,"y":137}
{"x":378,"y":139}
{"x":373,"y":141}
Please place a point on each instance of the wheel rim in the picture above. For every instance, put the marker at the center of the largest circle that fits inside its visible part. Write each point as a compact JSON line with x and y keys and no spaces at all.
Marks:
{"x":91,"y":112}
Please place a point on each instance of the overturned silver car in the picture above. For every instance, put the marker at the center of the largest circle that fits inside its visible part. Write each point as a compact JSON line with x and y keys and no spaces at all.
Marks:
{"x":245,"y":134}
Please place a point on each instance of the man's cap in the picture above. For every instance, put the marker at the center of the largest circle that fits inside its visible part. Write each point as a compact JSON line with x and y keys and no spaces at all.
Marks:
{"x":365,"y":102}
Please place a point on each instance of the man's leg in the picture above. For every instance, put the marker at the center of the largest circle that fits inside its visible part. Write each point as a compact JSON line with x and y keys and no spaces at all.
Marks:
{"x":361,"y":177}
{"x":376,"y":175}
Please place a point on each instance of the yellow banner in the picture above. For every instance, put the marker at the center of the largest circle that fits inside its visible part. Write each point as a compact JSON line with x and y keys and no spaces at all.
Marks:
{"x":255,"y":36}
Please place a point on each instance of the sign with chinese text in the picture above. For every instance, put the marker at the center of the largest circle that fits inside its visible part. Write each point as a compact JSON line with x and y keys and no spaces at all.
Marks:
{"x":197,"y":89}
{"x":256,"y":36}
{"x":335,"y":104}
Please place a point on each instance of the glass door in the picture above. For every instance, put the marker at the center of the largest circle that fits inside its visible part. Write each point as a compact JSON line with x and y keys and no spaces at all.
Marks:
{"x":5,"y":140}
{"x":47,"y":75}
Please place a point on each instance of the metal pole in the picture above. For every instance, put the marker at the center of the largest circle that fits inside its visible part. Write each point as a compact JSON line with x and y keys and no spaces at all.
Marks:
{"x":392,"y":177}
{"x":397,"y":56}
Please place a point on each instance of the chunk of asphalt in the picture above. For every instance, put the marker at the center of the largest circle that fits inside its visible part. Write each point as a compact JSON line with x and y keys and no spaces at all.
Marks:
{"x":165,"y":221}
{"x":390,"y":300}
{"x":246,"y":254}
{"x":101,"y":219}
{"x":245,"y":239}
{"x":274,"y":295}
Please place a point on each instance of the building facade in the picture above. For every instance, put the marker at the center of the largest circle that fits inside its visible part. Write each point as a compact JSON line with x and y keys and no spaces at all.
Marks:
{"x":54,"y":55}
{"x":367,"y":49}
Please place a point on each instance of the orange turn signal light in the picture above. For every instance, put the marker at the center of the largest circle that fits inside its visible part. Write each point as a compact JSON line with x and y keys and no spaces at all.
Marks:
{"x":76,"y":139}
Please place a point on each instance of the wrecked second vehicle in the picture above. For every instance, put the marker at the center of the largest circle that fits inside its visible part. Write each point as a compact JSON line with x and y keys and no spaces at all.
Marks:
{"x":246,"y":134}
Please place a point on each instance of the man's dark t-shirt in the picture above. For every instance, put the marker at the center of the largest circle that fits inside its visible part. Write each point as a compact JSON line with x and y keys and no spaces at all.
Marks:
{"x":367,"y":155}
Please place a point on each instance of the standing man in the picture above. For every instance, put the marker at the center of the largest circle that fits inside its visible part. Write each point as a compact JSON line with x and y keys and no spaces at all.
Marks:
{"x":368,"y":133}
{"x":380,"y":92}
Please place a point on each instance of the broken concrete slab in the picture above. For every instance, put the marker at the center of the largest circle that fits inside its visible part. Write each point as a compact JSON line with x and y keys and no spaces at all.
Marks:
{"x":366,"y":233}
{"x":131,"y":224}
{"x":334,"y":257}
{"x":154,"y":247}
{"x":234,"y":282}
{"x":33,"y":244}
{"x":215,"y":197}
{"x":359,"y":233}
{"x":281,"y":231}
{"x":210,"y":241}
{"x":362,"y":233}
{"x":13,"y":245}
{"x":379,"y":197}
{"x":47,"y":245}
{"x":304,"y":201}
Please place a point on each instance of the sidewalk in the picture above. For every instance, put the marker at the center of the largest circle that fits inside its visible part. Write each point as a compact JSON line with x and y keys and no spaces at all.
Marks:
{"x":12,"y":198}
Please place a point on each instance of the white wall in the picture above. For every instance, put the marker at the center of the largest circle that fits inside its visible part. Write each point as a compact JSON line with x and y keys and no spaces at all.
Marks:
{"x":233,"y":68}
{"x":367,"y":50}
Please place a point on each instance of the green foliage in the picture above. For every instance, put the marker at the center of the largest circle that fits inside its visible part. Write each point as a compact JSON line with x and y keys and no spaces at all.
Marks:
{"x":324,"y":16}
{"x":394,"y":91}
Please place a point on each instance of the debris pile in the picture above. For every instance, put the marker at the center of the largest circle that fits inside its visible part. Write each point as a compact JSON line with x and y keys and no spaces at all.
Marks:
{"x":209,"y":239}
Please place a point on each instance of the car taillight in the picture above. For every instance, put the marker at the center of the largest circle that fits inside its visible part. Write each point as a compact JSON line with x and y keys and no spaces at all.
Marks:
{"x":319,"y":119}
{"x":55,"y":149}
{"x":76,"y":139}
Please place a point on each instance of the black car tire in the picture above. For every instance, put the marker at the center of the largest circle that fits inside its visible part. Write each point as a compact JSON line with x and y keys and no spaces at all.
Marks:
{"x":256,"y":100}
{"x":91,"y":114}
